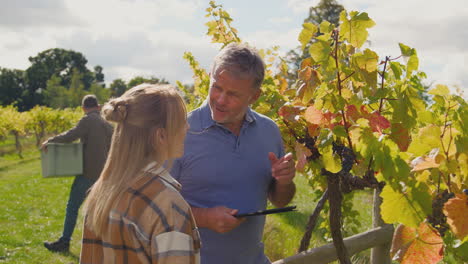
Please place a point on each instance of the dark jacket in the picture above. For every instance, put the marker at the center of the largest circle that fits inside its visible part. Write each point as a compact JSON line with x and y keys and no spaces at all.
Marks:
{"x":95,"y":133}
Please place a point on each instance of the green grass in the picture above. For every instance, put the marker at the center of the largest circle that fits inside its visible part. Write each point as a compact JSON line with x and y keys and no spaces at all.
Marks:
{"x":32,"y":211}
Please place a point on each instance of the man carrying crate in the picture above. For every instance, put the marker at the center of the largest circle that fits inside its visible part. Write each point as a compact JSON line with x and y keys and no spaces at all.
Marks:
{"x":95,"y":134}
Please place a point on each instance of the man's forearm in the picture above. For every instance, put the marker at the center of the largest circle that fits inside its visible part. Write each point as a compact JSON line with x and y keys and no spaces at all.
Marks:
{"x":201,"y":216}
{"x":281,"y":194}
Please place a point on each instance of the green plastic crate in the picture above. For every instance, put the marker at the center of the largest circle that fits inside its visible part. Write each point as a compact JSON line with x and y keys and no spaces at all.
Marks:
{"x":62,"y":160}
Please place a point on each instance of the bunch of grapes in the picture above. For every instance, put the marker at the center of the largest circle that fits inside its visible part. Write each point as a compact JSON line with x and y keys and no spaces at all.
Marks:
{"x":347,"y":156}
{"x":309,"y":142}
{"x":438,"y":220}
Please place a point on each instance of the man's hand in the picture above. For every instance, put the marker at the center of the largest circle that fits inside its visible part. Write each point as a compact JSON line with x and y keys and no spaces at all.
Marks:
{"x":283,"y":169}
{"x":219,"y":219}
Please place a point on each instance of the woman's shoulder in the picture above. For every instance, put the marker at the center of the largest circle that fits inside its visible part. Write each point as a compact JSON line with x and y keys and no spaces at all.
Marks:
{"x":159,"y":195}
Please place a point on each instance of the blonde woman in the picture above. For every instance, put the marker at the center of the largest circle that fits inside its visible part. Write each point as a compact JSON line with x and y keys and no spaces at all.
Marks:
{"x":134,"y":212}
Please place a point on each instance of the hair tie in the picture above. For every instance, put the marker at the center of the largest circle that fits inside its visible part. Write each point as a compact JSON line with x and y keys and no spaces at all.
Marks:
{"x":122,"y":111}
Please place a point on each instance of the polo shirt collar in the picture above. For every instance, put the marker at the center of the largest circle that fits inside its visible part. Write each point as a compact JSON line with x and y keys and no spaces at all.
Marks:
{"x":163,"y":173}
{"x":207,"y":121}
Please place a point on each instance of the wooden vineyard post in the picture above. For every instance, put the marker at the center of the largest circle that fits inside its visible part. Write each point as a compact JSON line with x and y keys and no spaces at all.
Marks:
{"x":381,"y":253}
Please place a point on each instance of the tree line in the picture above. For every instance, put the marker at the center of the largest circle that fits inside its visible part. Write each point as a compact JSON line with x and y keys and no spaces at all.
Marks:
{"x":39,"y":122}
{"x":59,"y":78}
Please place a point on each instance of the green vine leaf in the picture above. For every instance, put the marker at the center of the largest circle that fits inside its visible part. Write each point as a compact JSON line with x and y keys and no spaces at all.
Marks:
{"x":400,"y":207}
{"x":412,"y":57}
{"x":331,"y":161}
{"x":354,"y":29}
{"x":441,"y":90}
{"x":308,"y":31}
{"x":427,"y":139}
{"x":320,"y":51}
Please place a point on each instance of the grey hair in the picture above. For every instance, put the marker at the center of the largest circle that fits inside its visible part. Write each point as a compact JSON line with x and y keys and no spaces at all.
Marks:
{"x":241,"y":60}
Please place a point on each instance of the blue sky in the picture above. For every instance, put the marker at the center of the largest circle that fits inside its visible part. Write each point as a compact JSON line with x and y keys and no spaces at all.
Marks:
{"x":148,"y":37}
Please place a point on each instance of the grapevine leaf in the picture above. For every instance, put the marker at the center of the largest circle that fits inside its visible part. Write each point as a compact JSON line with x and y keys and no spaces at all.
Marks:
{"x":324,"y":139}
{"x":439,"y":100}
{"x":402,"y":239}
{"x":412,"y":65}
{"x":421,"y":246}
{"x":422,"y":163}
{"x":352,"y":113}
{"x":331,"y":161}
{"x":307,"y":62}
{"x":321,"y":91}
{"x":326,"y":27}
{"x":396,"y":68}
{"x":462,"y":179}
{"x":289,"y":112}
{"x":456,"y":210}
{"x":411,"y":55}
{"x":427,"y":248}
{"x":400,"y":135}
{"x":370,"y":78}
{"x":420,"y":194}
{"x":441,"y":90}
{"x":314,"y":116}
{"x":423,"y":176}
{"x":308,"y":31}
{"x":301,"y":153}
{"x":450,"y":133}
{"x":426,"y":116}
{"x":402,"y":111}
{"x":340,"y":131}
{"x":462,"y":249}
{"x":211,"y":25}
{"x":311,"y":78}
{"x":405,"y":50}
{"x":427,"y":139}
{"x":305,"y":74}
{"x":313,"y":130}
{"x":328,"y":118}
{"x":398,"y":207}
{"x":364,"y":140}
{"x":366,"y":61}
{"x":308,"y":93}
{"x":377,"y":122}
{"x":354,"y":29}
{"x":320,"y":50}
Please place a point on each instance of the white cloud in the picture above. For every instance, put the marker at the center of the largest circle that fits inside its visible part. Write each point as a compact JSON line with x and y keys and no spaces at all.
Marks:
{"x":279,"y":20}
{"x":123,"y":17}
{"x":25,"y":14}
{"x":301,"y":6}
{"x":454,"y":72}
{"x":267,"y":39}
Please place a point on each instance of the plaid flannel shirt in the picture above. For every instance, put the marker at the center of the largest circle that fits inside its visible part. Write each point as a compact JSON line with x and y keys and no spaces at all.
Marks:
{"x":151,"y":223}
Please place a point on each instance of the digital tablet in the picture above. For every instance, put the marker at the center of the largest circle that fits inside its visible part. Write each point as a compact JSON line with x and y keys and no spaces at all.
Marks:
{"x":269,"y":211}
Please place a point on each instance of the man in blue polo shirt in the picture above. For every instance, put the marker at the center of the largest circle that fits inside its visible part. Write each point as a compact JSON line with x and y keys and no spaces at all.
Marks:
{"x":234,"y":161}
